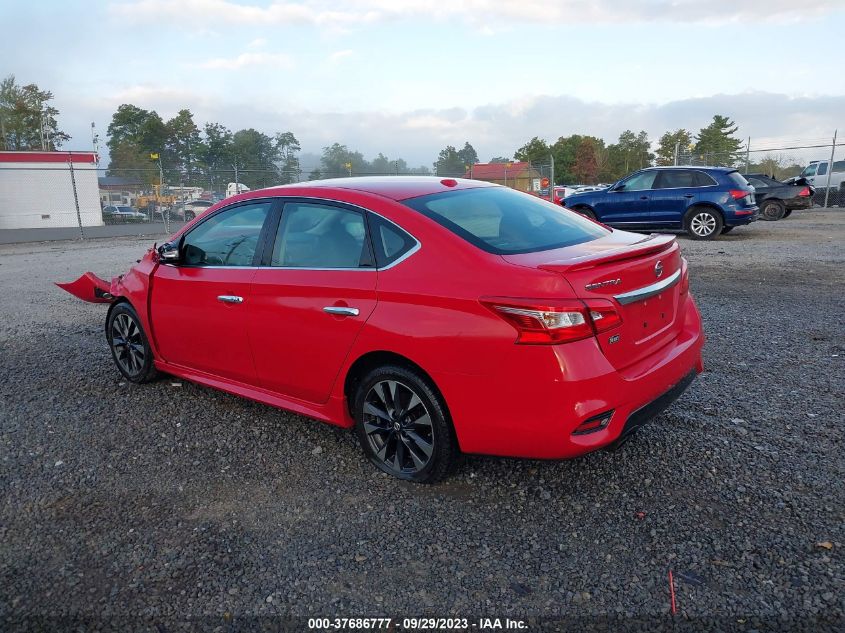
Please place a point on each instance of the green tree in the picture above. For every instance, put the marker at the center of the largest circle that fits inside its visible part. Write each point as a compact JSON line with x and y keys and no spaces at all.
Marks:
{"x":716,"y":143}
{"x":336,"y":157}
{"x":534,"y":151}
{"x":585,"y":168}
{"x":468,"y":154}
{"x":630,"y":153}
{"x":255,"y":155}
{"x":565,"y":149}
{"x":667,"y":143}
{"x":135,"y":133}
{"x":501,"y":159}
{"x":24,"y":114}
{"x":182,"y":145}
{"x":449,"y":163}
{"x":287,"y":151}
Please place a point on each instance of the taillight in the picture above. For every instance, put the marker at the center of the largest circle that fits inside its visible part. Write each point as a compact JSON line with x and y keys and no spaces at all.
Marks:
{"x":805,"y":192}
{"x":551,"y":322}
{"x":738,"y":194}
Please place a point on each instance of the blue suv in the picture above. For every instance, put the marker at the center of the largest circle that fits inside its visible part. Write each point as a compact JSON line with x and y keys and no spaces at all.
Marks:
{"x":703,"y":201}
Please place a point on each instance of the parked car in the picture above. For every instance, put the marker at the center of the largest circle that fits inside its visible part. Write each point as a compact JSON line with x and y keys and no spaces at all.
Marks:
{"x":352,"y":301}
{"x":117,"y":214}
{"x":777,"y":199}
{"x":187,"y":211}
{"x":816,"y":174}
{"x":703,"y":201}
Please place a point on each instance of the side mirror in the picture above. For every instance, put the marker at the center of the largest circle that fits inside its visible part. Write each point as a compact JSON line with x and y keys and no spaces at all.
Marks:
{"x":168,"y":252}
{"x":619,"y":187}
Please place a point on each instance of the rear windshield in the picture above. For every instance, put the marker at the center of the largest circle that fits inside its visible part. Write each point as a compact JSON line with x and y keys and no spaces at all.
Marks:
{"x":737,"y":178}
{"x":503,"y":221}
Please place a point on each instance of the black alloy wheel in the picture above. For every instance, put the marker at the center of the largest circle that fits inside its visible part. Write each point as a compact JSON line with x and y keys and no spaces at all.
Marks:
{"x":129,"y":345}
{"x":403,"y":426}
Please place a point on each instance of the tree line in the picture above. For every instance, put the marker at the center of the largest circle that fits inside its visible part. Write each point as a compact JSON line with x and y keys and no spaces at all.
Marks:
{"x":210,"y":154}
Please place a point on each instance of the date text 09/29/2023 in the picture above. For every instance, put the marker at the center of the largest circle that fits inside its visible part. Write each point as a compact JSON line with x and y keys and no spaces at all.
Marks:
{"x":417,"y":624}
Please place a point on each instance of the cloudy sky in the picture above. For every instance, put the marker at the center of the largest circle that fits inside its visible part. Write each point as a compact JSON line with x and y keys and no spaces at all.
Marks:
{"x":407,"y":77}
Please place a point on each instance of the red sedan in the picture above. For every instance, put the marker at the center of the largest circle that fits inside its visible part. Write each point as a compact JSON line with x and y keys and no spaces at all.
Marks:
{"x":433,"y":316}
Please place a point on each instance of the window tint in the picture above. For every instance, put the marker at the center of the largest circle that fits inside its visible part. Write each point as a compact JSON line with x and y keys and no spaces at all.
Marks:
{"x":810,"y":170}
{"x":675,"y":178}
{"x":389,"y":241}
{"x":228,"y":238}
{"x":839,"y":165}
{"x":319,"y":236}
{"x":702,"y":180}
{"x":641,"y":181}
{"x":756,"y":182}
{"x":504,"y":221}
{"x":822,"y":169}
{"x":737,"y":178}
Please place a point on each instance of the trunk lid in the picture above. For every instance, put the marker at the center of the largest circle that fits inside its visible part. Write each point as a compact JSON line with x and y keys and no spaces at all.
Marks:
{"x":640,"y":275}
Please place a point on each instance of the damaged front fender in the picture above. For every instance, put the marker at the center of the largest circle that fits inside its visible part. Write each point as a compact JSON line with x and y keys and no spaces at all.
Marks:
{"x":91,"y":288}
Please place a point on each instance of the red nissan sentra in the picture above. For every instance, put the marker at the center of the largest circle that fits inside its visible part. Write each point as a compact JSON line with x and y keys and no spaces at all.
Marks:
{"x":436,"y":317}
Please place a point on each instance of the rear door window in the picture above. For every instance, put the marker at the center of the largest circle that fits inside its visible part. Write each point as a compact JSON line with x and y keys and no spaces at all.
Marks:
{"x":503,"y":221}
{"x":822,"y":169}
{"x":839,"y":166}
{"x":316,"y":235}
{"x":737,"y":178}
{"x":390,"y":243}
{"x":675,"y":179}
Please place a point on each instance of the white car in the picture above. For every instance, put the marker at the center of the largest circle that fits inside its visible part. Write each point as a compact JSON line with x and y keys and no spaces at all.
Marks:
{"x":816,"y":174}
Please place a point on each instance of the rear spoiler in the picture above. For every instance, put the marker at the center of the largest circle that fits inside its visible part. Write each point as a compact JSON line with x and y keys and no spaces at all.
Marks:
{"x":650,"y":245}
{"x":89,"y":288}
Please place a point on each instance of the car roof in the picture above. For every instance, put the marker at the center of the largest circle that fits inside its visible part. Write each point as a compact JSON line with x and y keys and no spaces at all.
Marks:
{"x":393,"y":187}
{"x":702,"y":167}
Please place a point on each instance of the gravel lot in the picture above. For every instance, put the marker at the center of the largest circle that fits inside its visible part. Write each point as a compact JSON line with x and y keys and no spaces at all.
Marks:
{"x":150,"y":506}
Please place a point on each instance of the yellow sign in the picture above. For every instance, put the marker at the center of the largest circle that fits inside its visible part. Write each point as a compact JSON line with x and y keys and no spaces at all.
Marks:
{"x":348,"y":165}
{"x":153,"y":156}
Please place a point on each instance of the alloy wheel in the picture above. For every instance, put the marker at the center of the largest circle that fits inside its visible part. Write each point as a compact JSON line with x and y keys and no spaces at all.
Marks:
{"x":398,"y":427}
{"x":703,"y":224}
{"x":127,"y":344}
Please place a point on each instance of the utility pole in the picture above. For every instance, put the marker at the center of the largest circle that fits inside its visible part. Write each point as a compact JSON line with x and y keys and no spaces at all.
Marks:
{"x":551,"y":178}
{"x":235,"y":167}
{"x":830,"y":168}
{"x":747,"y":154}
{"x":677,"y":149}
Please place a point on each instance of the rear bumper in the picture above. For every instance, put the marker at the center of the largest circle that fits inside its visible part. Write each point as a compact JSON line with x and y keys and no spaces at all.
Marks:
{"x":530,"y":408}
{"x":741,"y":217}
{"x":802,"y":202}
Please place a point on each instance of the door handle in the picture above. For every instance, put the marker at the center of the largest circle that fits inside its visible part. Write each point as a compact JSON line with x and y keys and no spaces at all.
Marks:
{"x":230,"y":299}
{"x":341,"y":310}
{"x":689,"y":195}
{"x":643,"y":197}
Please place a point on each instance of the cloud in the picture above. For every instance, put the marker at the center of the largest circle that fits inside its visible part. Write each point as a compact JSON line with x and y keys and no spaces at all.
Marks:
{"x":339,"y":56}
{"x":345,"y":13}
{"x":244,"y":60}
{"x":258,"y":42}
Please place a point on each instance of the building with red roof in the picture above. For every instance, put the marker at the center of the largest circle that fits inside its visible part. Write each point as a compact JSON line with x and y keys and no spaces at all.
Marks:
{"x":517,"y":175}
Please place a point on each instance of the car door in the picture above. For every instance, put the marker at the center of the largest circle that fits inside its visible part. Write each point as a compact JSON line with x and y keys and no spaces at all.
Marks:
{"x":675,"y":190}
{"x":199,"y":304}
{"x":311,"y":297}
{"x":627,"y":202}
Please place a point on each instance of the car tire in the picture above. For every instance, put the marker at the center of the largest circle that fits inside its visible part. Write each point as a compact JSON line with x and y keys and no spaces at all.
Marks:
{"x":772,"y":210}
{"x":788,"y":213}
{"x":403,"y":425}
{"x":703,"y":223}
{"x":129,"y":345}
{"x":727,"y":229}
{"x":587,"y":212}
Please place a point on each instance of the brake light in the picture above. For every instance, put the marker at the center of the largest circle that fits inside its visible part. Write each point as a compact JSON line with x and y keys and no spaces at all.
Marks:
{"x":805,"y":192}
{"x":684,"y":286}
{"x":738,"y":194}
{"x":541,"y":322}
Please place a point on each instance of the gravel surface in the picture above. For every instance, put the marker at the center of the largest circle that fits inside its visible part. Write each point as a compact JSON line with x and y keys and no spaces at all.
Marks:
{"x":156,"y":505}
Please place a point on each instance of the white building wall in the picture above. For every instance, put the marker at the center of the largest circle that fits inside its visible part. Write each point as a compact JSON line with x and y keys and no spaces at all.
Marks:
{"x":38,"y":195}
